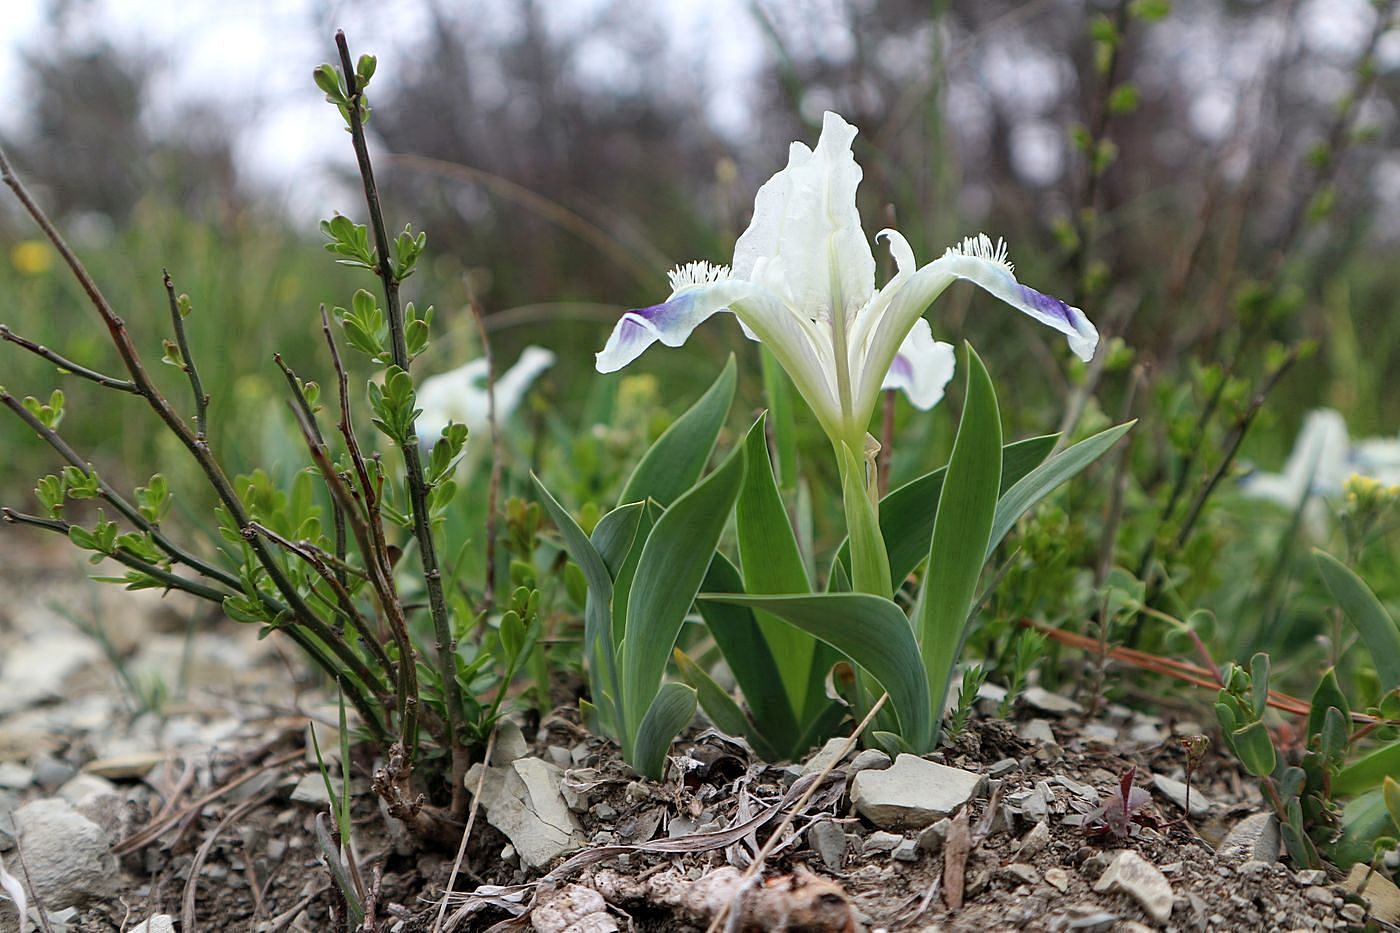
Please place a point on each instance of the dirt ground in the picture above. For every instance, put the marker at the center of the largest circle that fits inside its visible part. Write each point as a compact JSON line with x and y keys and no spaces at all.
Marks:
{"x":208,"y":804}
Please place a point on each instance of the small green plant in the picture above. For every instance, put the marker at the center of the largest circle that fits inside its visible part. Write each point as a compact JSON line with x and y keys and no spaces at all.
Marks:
{"x":316,"y":559}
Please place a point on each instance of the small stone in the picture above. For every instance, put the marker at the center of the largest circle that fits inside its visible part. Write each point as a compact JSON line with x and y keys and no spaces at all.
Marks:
{"x":160,"y":923}
{"x":312,"y":789}
{"x":15,"y":776}
{"x":828,"y":754}
{"x":1175,"y":791}
{"x":1034,"y":841}
{"x":872,"y":759}
{"x":1381,"y":893}
{"x":50,"y":773}
{"x":1020,"y":873}
{"x":881,"y":841}
{"x":1082,"y":791}
{"x":1046,"y":702}
{"x":66,"y":854}
{"x":828,"y":840}
{"x":912,"y":793}
{"x":1057,"y":878}
{"x":1145,"y":733}
{"x":1100,"y":733}
{"x":604,"y":812}
{"x":1003,"y":767}
{"x":1353,"y":912}
{"x":1310,"y":876}
{"x":510,"y":743}
{"x":523,"y":800}
{"x":560,"y":756}
{"x":1133,"y":875}
{"x":906,"y":851}
{"x":1255,"y":867}
{"x":1322,"y":896}
{"x":930,"y":838}
{"x":80,"y":787}
{"x":1095,"y":922}
{"x":579,"y":754}
{"x":1037,"y":730}
{"x":1255,"y":837}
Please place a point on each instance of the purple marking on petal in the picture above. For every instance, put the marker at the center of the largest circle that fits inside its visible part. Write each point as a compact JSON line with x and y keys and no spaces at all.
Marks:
{"x":902,"y":368}
{"x":1047,"y":304}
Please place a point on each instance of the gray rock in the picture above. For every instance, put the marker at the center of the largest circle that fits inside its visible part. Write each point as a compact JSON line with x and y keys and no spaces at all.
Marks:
{"x":1035,"y":841}
{"x":828,"y":754}
{"x":1311,"y":876}
{"x":1003,"y":767}
{"x":1256,"y":837}
{"x":8,"y":803}
{"x":67,"y":854}
{"x":1146,"y":733}
{"x":1037,"y":730}
{"x":870,"y":759}
{"x":160,"y":923}
{"x":1175,"y":791}
{"x":881,"y":841}
{"x":38,"y":669}
{"x":50,"y":773}
{"x":1039,"y":698}
{"x":912,"y":793}
{"x":1020,"y":873}
{"x":1057,"y":878}
{"x":930,"y":838}
{"x":510,"y":744}
{"x":15,"y":776}
{"x":312,"y":789}
{"x":1133,"y":875}
{"x":828,"y":840}
{"x":523,"y":800}
{"x":79,"y":787}
{"x":906,"y":851}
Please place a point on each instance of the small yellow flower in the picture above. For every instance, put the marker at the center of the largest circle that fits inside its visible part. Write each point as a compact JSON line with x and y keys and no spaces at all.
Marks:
{"x":31,"y":257}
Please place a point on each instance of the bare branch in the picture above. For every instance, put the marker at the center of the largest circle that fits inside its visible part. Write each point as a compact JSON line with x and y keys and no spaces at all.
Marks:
{"x":177,"y":320}
{"x":67,"y":365}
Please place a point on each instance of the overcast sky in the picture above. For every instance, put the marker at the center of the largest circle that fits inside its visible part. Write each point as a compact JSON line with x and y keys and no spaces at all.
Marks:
{"x":256,"y":57}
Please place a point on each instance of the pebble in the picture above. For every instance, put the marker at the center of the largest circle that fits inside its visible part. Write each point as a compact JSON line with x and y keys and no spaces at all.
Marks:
{"x":881,"y":841}
{"x":868,"y":760}
{"x":906,"y":851}
{"x":1037,"y":730}
{"x":828,"y":840}
{"x":1256,"y":837}
{"x":1046,"y":702}
{"x":1057,"y":878}
{"x":1145,"y":733}
{"x":15,"y":776}
{"x":127,"y":766}
{"x":312,"y":789}
{"x":828,"y":754}
{"x":1133,"y":875}
{"x":1034,"y":841}
{"x":912,"y":793}
{"x":50,"y":773}
{"x":1020,"y":873}
{"x":1003,"y":767}
{"x":1311,"y":876}
{"x":931,"y":837}
{"x":160,"y":923}
{"x":66,"y":854}
{"x":1175,"y":791}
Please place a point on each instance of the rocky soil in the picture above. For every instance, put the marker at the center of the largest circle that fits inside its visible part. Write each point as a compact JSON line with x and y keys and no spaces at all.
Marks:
{"x":183,"y":795}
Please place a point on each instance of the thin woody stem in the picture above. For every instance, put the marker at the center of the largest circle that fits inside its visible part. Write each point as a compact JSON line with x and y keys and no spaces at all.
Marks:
{"x":198,"y":447}
{"x":177,"y":321}
{"x":67,"y":365}
{"x":417,"y":488}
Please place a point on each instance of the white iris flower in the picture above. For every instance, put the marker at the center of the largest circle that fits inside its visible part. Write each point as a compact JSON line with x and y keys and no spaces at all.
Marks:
{"x":802,"y":282}
{"x":459,"y":395}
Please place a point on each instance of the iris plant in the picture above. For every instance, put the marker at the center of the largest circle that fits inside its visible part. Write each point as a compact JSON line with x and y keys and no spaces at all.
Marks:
{"x":802,"y":282}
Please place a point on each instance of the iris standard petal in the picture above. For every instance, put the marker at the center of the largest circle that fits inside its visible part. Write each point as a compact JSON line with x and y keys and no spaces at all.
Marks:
{"x":807,"y":228}
{"x":922,"y":367}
